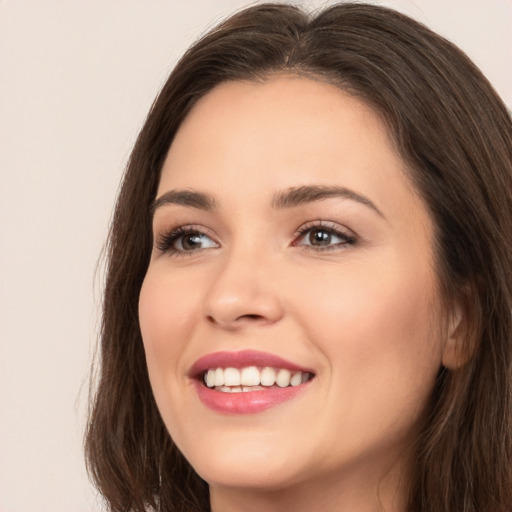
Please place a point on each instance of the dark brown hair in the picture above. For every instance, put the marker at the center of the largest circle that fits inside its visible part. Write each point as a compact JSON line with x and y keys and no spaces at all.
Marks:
{"x":454,"y":134}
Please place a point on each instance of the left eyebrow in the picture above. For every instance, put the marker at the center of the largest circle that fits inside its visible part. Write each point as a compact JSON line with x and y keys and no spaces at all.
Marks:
{"x":296,"y":196}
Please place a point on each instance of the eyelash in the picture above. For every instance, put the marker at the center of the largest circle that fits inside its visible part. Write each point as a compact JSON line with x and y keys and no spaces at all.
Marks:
{"x":165,"y":242}
{"x":328,"y":227}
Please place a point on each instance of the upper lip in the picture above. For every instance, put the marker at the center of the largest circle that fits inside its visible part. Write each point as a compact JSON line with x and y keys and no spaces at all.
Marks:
{"x":242,"y":359}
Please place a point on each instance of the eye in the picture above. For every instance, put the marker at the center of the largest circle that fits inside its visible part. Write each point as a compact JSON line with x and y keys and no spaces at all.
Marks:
{"x":324,"y":236}
{"x":184,"y":239}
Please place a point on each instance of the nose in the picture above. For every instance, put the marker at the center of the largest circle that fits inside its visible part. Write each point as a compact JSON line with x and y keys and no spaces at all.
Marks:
{"x":243,"y":293}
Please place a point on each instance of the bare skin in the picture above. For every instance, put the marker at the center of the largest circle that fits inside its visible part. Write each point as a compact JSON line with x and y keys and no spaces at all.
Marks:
{"x":341,"y":283}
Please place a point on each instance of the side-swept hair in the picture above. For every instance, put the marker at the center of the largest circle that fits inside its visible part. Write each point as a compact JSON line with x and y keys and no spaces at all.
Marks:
{"x":455,"y":136}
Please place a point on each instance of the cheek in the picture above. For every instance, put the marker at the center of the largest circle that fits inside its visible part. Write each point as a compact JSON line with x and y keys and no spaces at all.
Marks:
{"x":167,"y":316}
{"x":167,"y":310}
{"x":377,"y":332}
{"x":370,"y":304}
{"x":168,"y":307}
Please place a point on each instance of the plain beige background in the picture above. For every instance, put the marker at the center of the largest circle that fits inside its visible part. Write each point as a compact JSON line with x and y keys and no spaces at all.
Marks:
{"x":76,"y":80}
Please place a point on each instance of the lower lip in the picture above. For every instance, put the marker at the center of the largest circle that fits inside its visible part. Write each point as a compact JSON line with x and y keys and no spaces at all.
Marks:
{"x":248,"y":402}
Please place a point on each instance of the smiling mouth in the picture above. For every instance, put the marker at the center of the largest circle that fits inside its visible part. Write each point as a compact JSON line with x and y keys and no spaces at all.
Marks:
{"x":253,"y":378}
{"x":247,"y":381}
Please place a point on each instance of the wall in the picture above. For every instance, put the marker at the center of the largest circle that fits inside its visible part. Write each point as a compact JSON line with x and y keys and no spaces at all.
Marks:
{"x":76,"y":80}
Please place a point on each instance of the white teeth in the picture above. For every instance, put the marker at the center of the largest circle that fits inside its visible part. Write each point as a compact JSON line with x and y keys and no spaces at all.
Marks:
{"x":251,"y":388}
{"x":238,"y":389}
{"x":283,"y":378}
{"x":210,"y":378}
{"x":268,"y":376}
{"x":231,"y":377}
{"x":251,"y":378}
{"x":219,"y":377}
{"x":296,"y":379}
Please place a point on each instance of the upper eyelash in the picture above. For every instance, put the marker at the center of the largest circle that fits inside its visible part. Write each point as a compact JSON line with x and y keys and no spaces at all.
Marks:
{"x":350,"y":239}
{"x":165,"y":241}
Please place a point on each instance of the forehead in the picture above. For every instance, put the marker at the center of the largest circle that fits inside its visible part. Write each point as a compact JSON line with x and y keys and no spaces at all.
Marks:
{"x":285,"y":117}
{"x":288,"y":131}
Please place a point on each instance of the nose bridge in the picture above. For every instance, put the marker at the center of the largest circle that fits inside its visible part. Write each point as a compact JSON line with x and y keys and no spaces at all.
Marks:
{"x":243,"y":290}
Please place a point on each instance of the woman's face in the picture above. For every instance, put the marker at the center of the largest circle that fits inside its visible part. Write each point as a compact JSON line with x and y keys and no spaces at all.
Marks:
{"x":289,"y":244}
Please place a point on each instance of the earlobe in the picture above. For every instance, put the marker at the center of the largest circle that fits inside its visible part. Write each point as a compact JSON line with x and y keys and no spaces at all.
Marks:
{"x":458,"y":347}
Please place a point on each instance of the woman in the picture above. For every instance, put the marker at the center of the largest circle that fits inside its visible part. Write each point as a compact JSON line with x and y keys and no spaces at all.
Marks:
{"x":309,"y":285}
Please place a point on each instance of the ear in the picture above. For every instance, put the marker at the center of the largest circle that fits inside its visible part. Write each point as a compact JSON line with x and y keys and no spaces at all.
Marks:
{"x":459,"y":345}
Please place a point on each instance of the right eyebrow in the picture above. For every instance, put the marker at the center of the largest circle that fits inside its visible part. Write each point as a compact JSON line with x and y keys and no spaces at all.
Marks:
{"x":186,"y":198}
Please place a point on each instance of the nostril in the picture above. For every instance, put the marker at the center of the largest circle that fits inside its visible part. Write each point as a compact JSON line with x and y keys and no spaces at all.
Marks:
{"x":251,"y":317}
{"x":240,"y":319}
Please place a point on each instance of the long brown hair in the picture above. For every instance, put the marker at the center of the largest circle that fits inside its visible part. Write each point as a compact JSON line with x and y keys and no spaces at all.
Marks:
{"x":454,"y":134}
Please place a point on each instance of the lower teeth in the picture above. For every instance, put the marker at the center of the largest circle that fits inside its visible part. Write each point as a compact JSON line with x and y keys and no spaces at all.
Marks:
{"x":239,"y":389}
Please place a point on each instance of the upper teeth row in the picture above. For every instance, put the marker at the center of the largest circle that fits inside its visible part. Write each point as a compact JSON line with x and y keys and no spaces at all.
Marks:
{"x":254,"y":376}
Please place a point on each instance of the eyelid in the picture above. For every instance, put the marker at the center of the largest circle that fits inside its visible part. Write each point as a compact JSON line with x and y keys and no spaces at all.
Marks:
{"x":163,"y":241}
{"x":339,"y":230}
{"x":167,"y":237}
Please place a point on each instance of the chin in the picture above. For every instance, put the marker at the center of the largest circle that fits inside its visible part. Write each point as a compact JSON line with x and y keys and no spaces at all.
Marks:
{"x":259,"y":478}
{"x":246,"y":467}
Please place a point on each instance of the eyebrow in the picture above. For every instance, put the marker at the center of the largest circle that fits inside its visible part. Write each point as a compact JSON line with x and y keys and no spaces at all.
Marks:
{"x":296,"y":196}
{"x":185,"y":198}
{"x":289,"y":198}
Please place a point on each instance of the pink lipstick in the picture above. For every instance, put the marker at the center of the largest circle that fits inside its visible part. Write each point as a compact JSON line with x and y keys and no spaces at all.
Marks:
{"x":247,"y":381}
